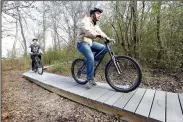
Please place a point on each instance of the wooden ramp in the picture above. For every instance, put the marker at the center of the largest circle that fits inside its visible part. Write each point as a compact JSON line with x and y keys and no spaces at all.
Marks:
{"x":141,"y":105}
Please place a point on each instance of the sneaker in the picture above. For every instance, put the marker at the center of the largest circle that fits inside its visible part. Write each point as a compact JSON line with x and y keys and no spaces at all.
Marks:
{"x":92,"y":82}
{"x":89,"y":85}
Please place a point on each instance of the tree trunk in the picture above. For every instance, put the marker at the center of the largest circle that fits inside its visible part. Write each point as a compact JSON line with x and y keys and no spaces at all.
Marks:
{"x":134,"y":27}
{"x":127,"y":35}
{"x":14,"y":44}
{"x":55,"y":34}
{"x":44,"y":28}
{"x":160,"y":46}
{"x":22,"y":32}
{"x":74,"y":31}
{"x":141,"y":27}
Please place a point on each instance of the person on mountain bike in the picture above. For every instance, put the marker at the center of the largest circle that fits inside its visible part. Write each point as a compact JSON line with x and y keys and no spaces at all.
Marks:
{"x":34,"y":48}
{"x":89,"y":31}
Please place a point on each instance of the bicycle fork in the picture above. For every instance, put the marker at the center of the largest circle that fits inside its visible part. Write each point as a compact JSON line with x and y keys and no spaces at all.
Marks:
{"x":117,"y":65}
{"x":115,"y":62}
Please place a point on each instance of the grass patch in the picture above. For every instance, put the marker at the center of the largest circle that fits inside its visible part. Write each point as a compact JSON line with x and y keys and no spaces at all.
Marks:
{"x":16,"y":64}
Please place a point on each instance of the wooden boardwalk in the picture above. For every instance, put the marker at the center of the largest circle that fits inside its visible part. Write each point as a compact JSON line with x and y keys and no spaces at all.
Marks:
{"x":141,"y":105}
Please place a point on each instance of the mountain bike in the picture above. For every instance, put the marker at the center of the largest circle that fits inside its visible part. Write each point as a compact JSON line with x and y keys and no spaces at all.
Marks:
{"x":122,"y":73}
{"x":38,"y":66}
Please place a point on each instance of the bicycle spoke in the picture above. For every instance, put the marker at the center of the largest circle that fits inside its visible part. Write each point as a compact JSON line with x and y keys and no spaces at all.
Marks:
{"x":79,"y":71}
{"x":128,"y":77}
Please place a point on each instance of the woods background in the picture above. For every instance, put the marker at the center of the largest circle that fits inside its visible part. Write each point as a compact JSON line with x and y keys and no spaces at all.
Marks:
{"x":151,"y":32}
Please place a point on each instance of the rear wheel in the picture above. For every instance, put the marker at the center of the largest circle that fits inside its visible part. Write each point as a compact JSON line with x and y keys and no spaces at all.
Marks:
{"x":130,"y":75}
{"x":78,"y":70}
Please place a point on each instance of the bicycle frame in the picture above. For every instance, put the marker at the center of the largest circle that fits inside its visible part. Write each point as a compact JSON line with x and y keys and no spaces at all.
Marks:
{"x":102,"y":53}
{"x":105,"y":50}
{"x":36,"y":60}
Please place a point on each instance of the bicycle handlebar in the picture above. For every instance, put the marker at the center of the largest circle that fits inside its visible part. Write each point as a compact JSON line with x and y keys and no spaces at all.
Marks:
{"x":36,"y":53}
{"x":107,"y":40}
{"x":110,"y":41}
{"x":98,"y":36}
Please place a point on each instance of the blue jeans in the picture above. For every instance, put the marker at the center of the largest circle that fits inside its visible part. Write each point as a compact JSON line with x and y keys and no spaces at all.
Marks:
{"x":86,"y":50}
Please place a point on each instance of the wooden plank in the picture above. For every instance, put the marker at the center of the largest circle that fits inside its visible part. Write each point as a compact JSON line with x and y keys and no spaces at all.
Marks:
{"x":45,"y":67}
{"x":122,"y":101}
{"x":158,"y":107}
{"x":33,"y":77}
{"x":103,"y":93}
{"x":94,"y":93}
{"x":181,"y":101}
{"x":88,"y":102}
{"x":132,"y":105}
{"x":97,"y":93}
{"x":56,"y":83}
{"x":105,"y":86}
{"x":111,"y":100}
{"x":36,"y":76}
{"x":31,"y":74}
{"x":107,"y":109}
{"x":105,"y":96}
{"x":61,"y":85}
{"x":65,"y":79}
{"x":174,"y":112}
{"x":77,"y":89}
{"x":146,"y":103}
{"x":59,"y":78}
{"x":48,"y":76}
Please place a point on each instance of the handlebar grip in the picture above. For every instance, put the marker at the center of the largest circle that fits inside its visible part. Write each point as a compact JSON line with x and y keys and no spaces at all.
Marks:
{"x":107,"y":41}
{"x":36,"y":54}
{"x":110,"y":40}
{"x":99,"y":36}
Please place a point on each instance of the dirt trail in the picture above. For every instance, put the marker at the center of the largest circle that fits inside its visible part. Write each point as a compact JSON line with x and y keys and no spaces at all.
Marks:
{"x":23,"y":101}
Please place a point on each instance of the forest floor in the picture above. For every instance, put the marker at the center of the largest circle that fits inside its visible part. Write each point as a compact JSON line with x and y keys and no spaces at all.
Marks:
{"x":24,"y":101}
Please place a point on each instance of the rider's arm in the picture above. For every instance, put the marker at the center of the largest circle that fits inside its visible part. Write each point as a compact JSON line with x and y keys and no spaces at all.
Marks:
{"x":40,"y":51}
{"x":29,"y":50}
{"x":87,"y":29}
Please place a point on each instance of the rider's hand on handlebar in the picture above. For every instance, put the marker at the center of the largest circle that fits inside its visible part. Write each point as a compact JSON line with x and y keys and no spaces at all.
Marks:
{"x":36,"y":53}
{"x":106,"y":40}
{"x":98,"y":36}
{"x":101,"y":37}
{"x":110,"y":40}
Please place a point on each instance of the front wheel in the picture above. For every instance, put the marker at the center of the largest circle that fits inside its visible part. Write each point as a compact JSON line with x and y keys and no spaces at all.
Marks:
{"x":78,"y":70}
{"x":123,"y":74}
{"x":39,"y":67}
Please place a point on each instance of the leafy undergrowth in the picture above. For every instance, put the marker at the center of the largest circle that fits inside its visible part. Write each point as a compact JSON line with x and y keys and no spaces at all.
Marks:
{"x":16,"y":64}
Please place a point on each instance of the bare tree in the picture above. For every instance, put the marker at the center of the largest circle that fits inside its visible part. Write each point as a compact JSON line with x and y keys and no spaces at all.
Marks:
{"x":16,"y":38}
{"x":14,"y":9}
{"x":72,"y":12}
{"x":44,"y":27}
{"x":22,"y":32}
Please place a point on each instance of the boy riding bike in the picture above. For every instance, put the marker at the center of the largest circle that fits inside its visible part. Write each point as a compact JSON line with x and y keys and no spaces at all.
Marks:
{"x":89,"y":31}
{"x":34,"y":48}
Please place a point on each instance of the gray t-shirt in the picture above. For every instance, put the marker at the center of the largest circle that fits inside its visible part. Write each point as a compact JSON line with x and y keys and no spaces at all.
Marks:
{"x":34,"y":48}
